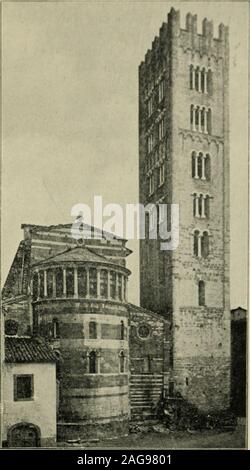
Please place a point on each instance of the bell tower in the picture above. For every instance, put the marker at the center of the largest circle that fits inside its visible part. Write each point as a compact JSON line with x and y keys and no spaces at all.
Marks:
{"x":184,"y":159}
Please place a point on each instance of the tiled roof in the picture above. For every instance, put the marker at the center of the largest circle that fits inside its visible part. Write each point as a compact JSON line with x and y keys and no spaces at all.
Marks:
{"x":79,"y":253}
{"x":25,"y":349}
{"x":137,"y":308}
{"x":104,"y":233}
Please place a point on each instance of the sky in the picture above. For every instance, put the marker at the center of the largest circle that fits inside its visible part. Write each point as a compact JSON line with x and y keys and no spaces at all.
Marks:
{"x":70,"y":113}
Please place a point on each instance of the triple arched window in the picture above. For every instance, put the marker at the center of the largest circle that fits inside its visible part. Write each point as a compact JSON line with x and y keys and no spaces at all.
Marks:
{"x":201,"y":79}
{"x":201,"y":167}
{"x":201,"y":119}
{"x":201,"y":243}
{"x":201,"y":205}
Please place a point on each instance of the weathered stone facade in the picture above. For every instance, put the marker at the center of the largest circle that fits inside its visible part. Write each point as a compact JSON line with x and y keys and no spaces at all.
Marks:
{"x":149,"y":346}
{"x":116,"y":360}
{"x":76,"y":298}
{"x":184,"y":159}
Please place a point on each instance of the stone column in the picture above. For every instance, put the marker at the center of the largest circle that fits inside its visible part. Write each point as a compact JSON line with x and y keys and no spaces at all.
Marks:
{"x":199,"y":121}
{"x":196,"y":166}
{"x":196,"y":205}
{"x":199,"y":80}
{"x":199,"y":245}
{"x":64,"y":283}
{"x":45,"y":283}
{"x":75,"y":283}
{"x":203,"y":177}
{"x":205,"y":81}
{"x":203,"y":208}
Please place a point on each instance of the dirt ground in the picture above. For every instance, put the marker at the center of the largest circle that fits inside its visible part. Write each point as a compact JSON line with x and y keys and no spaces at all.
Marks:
{"x":174,"y":440}
{"x":180,"y":440}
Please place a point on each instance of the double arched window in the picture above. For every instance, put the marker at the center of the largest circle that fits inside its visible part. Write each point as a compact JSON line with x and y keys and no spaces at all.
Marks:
{"x":201,"y":167}
{"x":201,"y":243}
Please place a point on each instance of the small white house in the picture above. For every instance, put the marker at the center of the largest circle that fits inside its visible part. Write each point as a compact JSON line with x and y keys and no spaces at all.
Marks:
{"x":29,"y":393}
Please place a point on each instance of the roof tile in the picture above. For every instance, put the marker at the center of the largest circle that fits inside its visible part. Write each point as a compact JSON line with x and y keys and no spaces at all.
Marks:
{"x":33,"y":349}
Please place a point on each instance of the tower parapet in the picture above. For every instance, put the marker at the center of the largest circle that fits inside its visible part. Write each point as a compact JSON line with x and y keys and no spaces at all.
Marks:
{"x":189,"y":38}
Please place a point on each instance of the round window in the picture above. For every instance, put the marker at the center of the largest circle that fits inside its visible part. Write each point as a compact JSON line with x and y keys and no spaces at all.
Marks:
{"x":143,"y":331}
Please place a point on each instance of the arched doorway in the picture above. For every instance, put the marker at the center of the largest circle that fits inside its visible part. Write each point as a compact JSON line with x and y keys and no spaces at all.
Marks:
{"x":24,"y":435}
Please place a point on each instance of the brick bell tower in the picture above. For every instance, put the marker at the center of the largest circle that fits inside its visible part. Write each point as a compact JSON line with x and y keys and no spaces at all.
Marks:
{"x":184,"y":159}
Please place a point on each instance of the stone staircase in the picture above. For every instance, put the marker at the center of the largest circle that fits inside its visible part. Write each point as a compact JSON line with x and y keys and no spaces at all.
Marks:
{"x":145,"y":393}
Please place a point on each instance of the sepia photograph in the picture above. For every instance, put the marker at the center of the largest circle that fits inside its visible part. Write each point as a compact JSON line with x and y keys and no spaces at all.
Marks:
{"x":124,"y":227}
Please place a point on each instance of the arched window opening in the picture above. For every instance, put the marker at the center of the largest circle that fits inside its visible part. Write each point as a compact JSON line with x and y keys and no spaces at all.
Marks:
{"x":202,"y":111}
{"x":93,"y":282}
{"x":70,"y":282}
{"x":122,"y":330}
{"x":205,"y":245}
{"x":122,"y":362}
{"x":207,"y":168}
{"x":59,"y":282}
{"x":104,"y":283}
{"x":207,"y":203}
{"x":92,"y":330}
{"x":203,"y":80}
{"x":197,"y":113}
{"x":201,"y":293}
{"x":209,"y":121}
{"x":200,"y":205}
{"x":194,"y":205}
{"x":194,"y":165}
{"x":49,"y":283}
{"x":82,"y":282}
{"x":196,"y":243}
{"x":192,"y":116}
{"x":197,"y":78}
{"x":55,"y":329}
{"x":92,"y":362}
{"x":200,"y":165}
